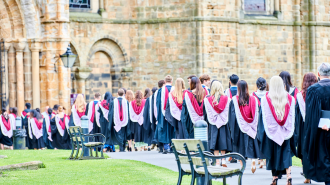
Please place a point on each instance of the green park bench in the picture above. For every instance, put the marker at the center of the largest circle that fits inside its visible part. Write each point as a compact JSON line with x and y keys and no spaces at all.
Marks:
{"x":78,"y":142}
{"x":199,"y":162}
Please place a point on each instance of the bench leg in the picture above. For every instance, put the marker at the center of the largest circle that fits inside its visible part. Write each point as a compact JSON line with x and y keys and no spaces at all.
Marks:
{"x":240,"y":179}
{"x":102,"y":152}
{"x":192,"y":179}
{"x":82,"y":152}
{"x":224,"y":181}
{"x":96,"y":150}
{"x":78,"y":150}
{"x":91,"y":152}
{"x":180,"y":178}
{"x":71,"y":155}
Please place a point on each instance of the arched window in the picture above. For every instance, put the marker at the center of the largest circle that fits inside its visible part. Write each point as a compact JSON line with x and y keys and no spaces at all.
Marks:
{"x":80,"y":4}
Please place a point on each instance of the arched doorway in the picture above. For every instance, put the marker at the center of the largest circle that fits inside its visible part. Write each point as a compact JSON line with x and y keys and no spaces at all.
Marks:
{"x":100,"y":78}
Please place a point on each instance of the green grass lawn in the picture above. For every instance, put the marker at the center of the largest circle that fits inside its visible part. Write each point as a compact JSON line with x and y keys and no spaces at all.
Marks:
{"x":61,"y":171}
{"x":296,"y":162}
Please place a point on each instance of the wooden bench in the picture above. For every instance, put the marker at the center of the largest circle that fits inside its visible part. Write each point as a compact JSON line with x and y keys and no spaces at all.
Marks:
{"x":199,"y":162}
{"x":79,"y":142}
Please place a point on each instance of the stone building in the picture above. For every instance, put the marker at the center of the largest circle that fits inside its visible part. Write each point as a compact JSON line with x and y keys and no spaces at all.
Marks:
{"x":135,"y":43}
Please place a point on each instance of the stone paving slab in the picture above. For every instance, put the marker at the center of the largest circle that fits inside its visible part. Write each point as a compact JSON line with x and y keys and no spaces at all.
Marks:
{"x":260,"y":177}
{"x":33,"y":165}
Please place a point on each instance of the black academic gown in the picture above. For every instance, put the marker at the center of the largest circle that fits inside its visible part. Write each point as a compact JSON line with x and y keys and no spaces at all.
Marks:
{"x":36,"y":143}
{"x":147,"y":133}
{"x":176,"y":124}
{"x":117,"y":138}
{"x":218,"y":139}
{"x":25,"y":125}
{"x":5,"y":139}
{"x":164,"y":130}
{"x":47,"y":142}
{"x":154,"y":120}
{"x":299,"y":131}
{"x":105,"y":125}
{"x":279,"y":158}
{"x":60,"y":142}
{"x":96,"y":128}
{"x":242,"y":143}
{"x":316,"y":147}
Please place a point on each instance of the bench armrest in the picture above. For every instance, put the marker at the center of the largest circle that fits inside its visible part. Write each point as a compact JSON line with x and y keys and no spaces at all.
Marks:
{"x":93,"y":135}
{"x":233,"y":155}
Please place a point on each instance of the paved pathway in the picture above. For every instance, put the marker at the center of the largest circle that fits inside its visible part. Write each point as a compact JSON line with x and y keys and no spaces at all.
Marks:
{"x":261,"y":176}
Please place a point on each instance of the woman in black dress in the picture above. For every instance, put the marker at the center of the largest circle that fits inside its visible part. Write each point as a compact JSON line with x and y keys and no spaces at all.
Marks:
{"x":243,"y":123}
{"x":216,"y":109}
{"x":59,"y":127}
{"x":35,"y":130}
{"x":6,"y":130}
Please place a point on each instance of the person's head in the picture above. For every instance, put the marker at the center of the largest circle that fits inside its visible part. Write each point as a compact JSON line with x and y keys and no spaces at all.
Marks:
{"x":195,"y":84}
{"x":154,"y":89}
{"x":168,"y":79}
{"x":308,"y":80}
{"x":55,"y":108}
{"x":243,"y":93}
{"x":129,"y":95}
{"x":120,"y":92}
{"x":324,"y":70}
{"x":35,"y":114}
{"x":46,"y":108}
{"x":161,"y":83}
{"x":189,"y":78}
{"x":124,"y":90}
{"x":108,"y":97}
{"x":233,"y":79}
{"x":178,"y":90}
{"x":216,"y":90}
{"x":286,"y":77}
{"x":50,"y":111}
{"x":205,"y":80}
{"x":28,"y":106}
{"x":80,"y":103}
{"x":97,"y":96}
{"x":3,"y":110}
{"x":278,"y":96}
{"x":213,"y":82}
{"x":261,"y":84}
{"x":38,"y":110}
{"x":147,"y":93}
{"x":60,"y":109}
{"x":138,"y":97}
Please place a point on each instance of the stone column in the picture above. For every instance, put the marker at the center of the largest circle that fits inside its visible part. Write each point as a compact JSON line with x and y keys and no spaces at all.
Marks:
{"x":35,"y":48}
{"x":27,"y":76}
{"x":7,"y":46}
{"x":12,"y":77}
{"x":19,"y":46}
{"x":82,"y":73}
{"x":277,"y":6}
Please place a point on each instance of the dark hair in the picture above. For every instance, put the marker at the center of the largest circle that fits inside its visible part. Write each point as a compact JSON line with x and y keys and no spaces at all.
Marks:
{"x":108,"y":97}
{"x":147,"y":93}
{"x":286,"y":77}
{"x":195,"y":83}
{"x":154,"y":89}
{"x":261,"y":83}
{"x":204,"y":77}
{"x":35,"y":114}
{"x":124,"y":90}
{"x":13,"y":110}
{"x":243,"y":93}
{"x":190,"y":77}
{"x":28,"y":105}
{"x":161,"y":83}
{"x":234,"y":79}
{"x":308,"y":80}
{"x":55,"y":108}
{"x":50,"y":111}
{"x":38,"y":110}
{"x":3,"y":110}
{"x":138,"y":97}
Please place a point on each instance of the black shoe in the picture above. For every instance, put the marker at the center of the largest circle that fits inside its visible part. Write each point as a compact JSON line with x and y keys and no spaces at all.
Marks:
{"x":111,"y":150}
{"x":122,"y":151}
{"x":149,"y":149}
{"x":160,"y":151}
{"x":130,"y":149}
{"x":135,"y":149}
{"x":165,"y":152}
{"x":233,"y":161}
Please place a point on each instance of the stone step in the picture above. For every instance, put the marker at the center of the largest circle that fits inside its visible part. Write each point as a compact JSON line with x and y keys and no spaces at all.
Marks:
{"x":33,"y":165}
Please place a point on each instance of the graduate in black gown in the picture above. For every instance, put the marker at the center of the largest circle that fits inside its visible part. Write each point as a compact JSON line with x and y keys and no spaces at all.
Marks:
{"x":153,"y":119}
{"x":147,"y":116}
{"x":276,"y":128}
{"x":232,"y":91}
{"x":136,"y":108}
{"x":12,"y":118}
{"x":119,"y":119}
{"x":243,"y":123}
{"x":35,"y":130}
{"x":161,"y":83}
{"x":25,"y":117}
{"x":129,"y":96}
{"x":308,"y":80}
{"x":164,"y":130}
{"x":94,"y":127}
{"x":59,"y":125}
{"x":47,"y":133}
{"x":174,"y":108}
{"x":192,"y":107}
{"x":316,"y":149}
{"x":6,"y":129}
{"x":216,"y":109}
{"x":102,"y":116}
{"x":78,"y":110}
{"x":292,"y":90}
{"x":205,"y":81}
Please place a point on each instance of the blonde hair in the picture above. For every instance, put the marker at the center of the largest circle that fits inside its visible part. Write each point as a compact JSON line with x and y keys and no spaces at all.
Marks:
{"x":178,"y":90}
{"x":129,"y":96}
{"x":80,"y":103}
{"x":216,"y":91}
{"x":278,"y":96}
{"x":60,"y":109}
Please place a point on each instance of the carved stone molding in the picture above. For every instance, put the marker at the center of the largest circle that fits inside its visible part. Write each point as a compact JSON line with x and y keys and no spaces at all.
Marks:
{"x":82,"y":73}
